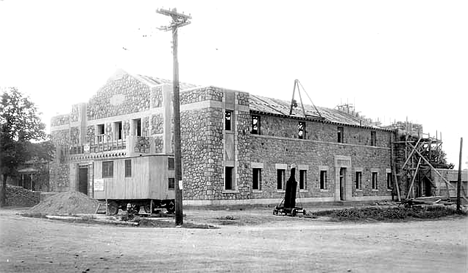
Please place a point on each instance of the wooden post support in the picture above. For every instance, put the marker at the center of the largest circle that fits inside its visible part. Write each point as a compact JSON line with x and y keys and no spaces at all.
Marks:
{"x":178,"y":20}
{"x":414,"y":178}
{"x":459,"y":177}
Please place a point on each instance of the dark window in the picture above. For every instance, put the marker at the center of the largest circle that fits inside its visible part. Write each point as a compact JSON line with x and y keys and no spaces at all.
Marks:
{"x":280,"y":178}
{"x":358,"y":180}
{"x":171,"y":183}
{"x":229,"y":179}
{"x":301,"y":126}
{"x":170,"y":163}
{"x":137,"y":127}
{"x":118,"y":130}
{"x":374,"y":180}
{"x":389,"y":181}
{"x":257,"y":179}
{"x":323,"y":180}
{"x":228,"y":120}
{"x":302,"y":179}
{"x":255,"y":125}
{"x":100,"y":129}
{"x":128,"y":168}
{"x":107,"y":169}
{"x":340,"y":134}
{"x":373,"y":138}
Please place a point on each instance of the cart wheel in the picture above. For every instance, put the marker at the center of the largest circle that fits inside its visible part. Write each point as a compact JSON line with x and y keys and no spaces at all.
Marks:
{"x":304,"y":212}
{"x":136,"y":209}
{"x":293,"y":212}
{"x":170,"y":207}
{"x":112,"y":208}
{"x":275,"y":212}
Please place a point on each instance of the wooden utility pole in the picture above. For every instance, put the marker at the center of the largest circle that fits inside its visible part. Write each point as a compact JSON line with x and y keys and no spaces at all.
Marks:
{"x":459,"y":177}
{"x":178,"y":20}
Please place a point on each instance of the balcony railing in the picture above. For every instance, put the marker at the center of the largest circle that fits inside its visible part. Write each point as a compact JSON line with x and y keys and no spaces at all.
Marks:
{"x":103,"y":146}
{"x":131,"y":144}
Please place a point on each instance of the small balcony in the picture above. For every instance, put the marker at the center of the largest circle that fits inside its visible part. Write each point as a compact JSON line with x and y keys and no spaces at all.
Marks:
{"x":131,"y":145}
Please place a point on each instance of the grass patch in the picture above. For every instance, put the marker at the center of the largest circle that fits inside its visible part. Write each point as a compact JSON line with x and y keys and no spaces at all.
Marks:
{"x":389,"y":214}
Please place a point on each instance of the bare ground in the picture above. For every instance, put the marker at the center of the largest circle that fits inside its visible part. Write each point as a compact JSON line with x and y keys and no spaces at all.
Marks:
{"x":250,"y":240}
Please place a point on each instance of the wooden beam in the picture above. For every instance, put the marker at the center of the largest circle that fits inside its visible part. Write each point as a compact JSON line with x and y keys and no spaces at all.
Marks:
{"x":432,"y":167}
{"x":414,"y":178}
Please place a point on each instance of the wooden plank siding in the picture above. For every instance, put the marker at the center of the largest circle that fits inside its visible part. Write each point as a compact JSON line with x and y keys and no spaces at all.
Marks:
{"x":149,"y":179}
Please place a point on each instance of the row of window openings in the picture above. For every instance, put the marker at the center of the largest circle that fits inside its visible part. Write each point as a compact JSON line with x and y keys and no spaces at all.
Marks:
{"x":108,"y":170}
{"x":118,"y":130}
{"x":257,"y":179}
{"x":301,"y":129}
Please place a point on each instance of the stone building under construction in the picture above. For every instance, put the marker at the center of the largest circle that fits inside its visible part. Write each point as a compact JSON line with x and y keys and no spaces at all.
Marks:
{"x":237,"y":148}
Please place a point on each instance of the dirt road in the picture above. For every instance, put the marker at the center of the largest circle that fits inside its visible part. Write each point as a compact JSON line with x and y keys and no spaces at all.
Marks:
{"x":249,"y":241}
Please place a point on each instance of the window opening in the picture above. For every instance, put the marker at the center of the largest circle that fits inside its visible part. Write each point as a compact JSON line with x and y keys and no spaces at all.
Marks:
{"x":373,"y":138}
{"x":128,"y":168}
{"x":118,"y":130}
{"x":358,"y":180}
{"x":340,"y":134}
{"x":389,"y":181}
{"x":302,"y":179}
{"x":257,"y":179}
{"x":228,"y":179}
{"x":228,"y":120}
{"x":301,"y":129}
{"x":323,"y":180}
{"x":137,"y":127}
{"x":107,"y":169}
{"x":170,"y":163}
{"x":280,"y":175}
{"x":255,"y":125}
{"x":374,"y":180}
{"x":171,"y":183}
{"x":100,"y":133}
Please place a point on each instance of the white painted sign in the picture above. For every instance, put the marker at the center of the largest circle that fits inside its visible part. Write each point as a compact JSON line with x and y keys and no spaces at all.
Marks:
{"x":181,"y":185}
{"x":98,"y":184}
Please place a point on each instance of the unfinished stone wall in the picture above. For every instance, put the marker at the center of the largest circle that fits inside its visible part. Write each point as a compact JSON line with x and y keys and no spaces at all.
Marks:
{"x":202,"y":149}
{"x":288,"y":128}
{"x":201,"y":94}
{"x":59,"y":168}
{"x":122,"y":95}
{"x":275,"y":150}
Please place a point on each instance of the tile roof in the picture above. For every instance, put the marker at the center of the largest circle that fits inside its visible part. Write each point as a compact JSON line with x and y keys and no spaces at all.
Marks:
{"x":280,"y":107}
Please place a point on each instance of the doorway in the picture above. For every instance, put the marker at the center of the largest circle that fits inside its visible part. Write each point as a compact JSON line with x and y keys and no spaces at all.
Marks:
{"x":83,"y":180}
{"x":342,"y":184}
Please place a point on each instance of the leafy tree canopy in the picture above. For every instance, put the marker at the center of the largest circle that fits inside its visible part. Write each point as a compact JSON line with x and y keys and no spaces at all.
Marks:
{"x":19,"y":125}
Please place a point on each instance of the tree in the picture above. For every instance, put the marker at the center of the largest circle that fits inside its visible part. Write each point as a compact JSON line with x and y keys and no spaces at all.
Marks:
{"x":20,"y":124}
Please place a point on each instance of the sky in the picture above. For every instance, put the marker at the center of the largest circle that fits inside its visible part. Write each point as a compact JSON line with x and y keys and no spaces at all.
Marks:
{"x":394,"y":60}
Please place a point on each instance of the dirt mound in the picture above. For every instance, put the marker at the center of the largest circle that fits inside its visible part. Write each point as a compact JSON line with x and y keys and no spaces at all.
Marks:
{"x":66,"y":203}
{"x":20,"y":197}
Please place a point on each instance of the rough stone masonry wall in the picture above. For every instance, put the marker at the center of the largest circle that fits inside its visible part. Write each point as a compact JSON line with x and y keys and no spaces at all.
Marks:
{"x":202,"y":149}
{"x":59,"y":168}
{"x":275,"y":150}
{"x":278,"y":144}
{"x":122,"y":95}
{"x":286,"y":127}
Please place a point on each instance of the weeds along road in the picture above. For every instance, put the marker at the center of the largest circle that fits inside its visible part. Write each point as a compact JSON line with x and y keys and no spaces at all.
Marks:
{"x":274,"y":244}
